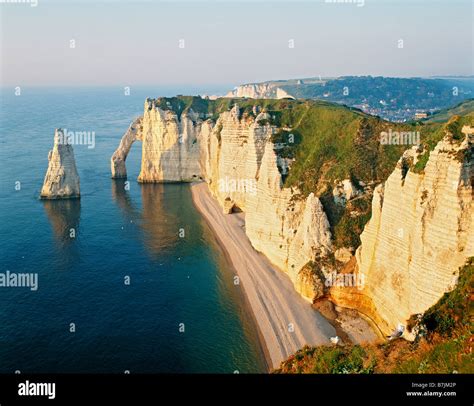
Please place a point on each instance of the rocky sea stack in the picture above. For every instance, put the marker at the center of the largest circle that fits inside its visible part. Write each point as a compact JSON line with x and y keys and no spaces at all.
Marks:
{"x":61,"y":180}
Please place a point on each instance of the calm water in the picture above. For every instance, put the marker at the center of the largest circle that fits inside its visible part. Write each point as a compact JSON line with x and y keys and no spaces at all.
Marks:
{"x":119,"y":234}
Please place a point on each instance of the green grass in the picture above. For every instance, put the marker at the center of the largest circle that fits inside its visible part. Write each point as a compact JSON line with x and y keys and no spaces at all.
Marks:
{"x":331,"y":360}
{"x":329,"y":142}
{"x":337,"y":143}
{"x":349,"y":227}
{"x":461,"y":109}
{"x":284,"y":111}
{"x":445,"y":357}
{"x":454,"y":307}
{"x":435,"y":132}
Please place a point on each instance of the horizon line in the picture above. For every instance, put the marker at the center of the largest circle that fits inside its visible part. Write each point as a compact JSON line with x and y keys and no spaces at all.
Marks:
{"x":464,"y":76}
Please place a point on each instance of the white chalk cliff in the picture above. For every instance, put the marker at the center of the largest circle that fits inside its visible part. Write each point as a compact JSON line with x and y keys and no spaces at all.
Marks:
{"x":61,"y":180}
{"x":170,"y":151}
{"x":266,"y":90}
{"x":236,"y":157}
{"x":420,"y":232}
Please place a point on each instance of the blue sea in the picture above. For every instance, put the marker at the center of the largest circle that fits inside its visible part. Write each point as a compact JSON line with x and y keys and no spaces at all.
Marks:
{"x":85,"y":317}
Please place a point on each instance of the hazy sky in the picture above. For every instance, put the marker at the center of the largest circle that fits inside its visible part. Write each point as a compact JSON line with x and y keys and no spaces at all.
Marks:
{"x":137,"y":42}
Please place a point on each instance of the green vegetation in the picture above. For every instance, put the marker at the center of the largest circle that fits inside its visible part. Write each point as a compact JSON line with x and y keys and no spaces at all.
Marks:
{"x":443,"y":343}
{"x":454,"y":308}
{"x":434,"y":132}
{"x":421,"y":163}
{"x":328,"y":142}
{"x":461,"y":109}
{"x":330,"y":360}
{"x":338,"y":143}
{"x":282,"y":112}
{"x":400,"y":92}
{"x":351,"y":222}
{"x":332,"y":143}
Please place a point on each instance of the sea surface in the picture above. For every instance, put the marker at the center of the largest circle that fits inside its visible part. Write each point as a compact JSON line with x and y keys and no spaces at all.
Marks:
{"x":127,"y":292}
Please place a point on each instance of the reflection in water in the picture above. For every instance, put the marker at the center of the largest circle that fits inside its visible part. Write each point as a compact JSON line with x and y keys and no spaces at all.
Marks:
{"x":64,"y":216}
{"x":159,"y":223}
{"x":122,"y":198}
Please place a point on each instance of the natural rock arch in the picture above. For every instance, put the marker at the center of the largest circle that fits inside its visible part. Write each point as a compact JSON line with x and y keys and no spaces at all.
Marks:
{"x":117,"y":162}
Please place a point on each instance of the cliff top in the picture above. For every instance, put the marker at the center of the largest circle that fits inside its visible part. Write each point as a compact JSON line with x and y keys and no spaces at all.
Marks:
{"x":210,"y":109}
{"x":463,"y":108}
{"x":326,"y":143}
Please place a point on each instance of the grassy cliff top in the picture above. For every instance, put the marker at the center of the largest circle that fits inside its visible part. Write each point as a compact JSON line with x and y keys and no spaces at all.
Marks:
{"x":464,"y":108}
{"x":212,"y":108}
{"x":327,"y":142}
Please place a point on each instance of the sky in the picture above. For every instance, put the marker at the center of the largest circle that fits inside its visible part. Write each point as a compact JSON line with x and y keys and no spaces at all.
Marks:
{"x":66,"y":42}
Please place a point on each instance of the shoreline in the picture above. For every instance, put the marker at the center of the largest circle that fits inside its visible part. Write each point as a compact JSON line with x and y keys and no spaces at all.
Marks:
{"x":285,"y":320}
{"x":260,"y":339}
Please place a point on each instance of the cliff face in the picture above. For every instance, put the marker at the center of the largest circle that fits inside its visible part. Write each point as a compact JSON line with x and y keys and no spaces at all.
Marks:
{"x":259,"y":91}
{"x":232,"y":155}
{"x":170,"y":151}
{"x":290,"y":232}
{"x":236,"y":157}
{"x":421,"y":228}
{"x":254,"y":91}
{"x":239,"y":162}
{"x":61,"y":180}
{"x":421,"y":231}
